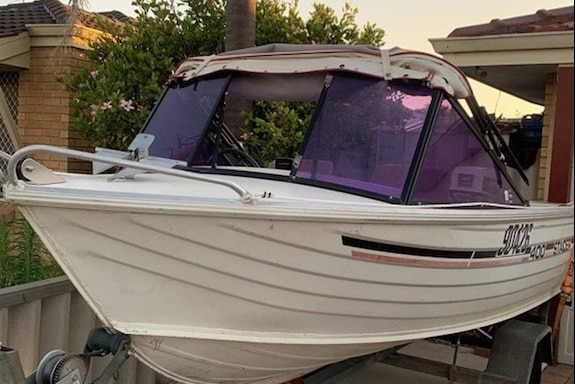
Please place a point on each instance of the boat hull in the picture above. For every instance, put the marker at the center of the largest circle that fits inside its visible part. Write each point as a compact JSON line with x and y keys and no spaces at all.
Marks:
{"x":254,"y":296}
{"x":215,"y":361}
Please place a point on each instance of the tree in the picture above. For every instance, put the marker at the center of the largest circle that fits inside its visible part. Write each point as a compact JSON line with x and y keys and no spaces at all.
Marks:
{"x":277,"y":129}
{"x":240,"y":24}
{"x":240,"y":33}
{"x":130,"y":63}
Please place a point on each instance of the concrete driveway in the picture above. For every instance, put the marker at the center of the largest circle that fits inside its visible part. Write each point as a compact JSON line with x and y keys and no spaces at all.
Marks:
{"x":386,"y":374}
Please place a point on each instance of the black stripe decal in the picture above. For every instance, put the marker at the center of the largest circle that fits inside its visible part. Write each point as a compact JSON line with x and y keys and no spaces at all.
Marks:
{"x":415,"y":251}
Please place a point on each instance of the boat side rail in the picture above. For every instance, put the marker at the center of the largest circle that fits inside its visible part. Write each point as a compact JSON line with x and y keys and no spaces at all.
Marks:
{"x":15,"y":159}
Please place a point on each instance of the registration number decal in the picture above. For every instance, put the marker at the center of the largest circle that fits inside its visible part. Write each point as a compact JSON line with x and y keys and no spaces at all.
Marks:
{"x":516,"y":240}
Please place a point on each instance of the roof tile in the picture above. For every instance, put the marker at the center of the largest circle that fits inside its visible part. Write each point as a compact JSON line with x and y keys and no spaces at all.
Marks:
{"x":558,"y":19}
{"x":14,"y":17}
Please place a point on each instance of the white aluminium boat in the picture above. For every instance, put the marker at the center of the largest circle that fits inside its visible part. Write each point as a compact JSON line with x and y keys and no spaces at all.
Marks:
{"x":396,"y":221}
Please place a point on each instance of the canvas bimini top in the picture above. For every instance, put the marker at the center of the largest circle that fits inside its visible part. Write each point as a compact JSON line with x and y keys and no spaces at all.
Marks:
{"x":393,"y":125}
{"x":297,"y":59}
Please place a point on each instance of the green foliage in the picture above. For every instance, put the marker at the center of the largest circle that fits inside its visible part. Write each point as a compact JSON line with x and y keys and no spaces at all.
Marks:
{"x":130,"y":64}
{"x":275,"y":129}
{"x":279,"y":22}
{"x":23,"y":259}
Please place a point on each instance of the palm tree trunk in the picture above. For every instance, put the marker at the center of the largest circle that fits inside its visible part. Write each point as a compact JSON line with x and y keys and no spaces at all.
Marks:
{"x":240,"y":33}
{"x":240,"y":24}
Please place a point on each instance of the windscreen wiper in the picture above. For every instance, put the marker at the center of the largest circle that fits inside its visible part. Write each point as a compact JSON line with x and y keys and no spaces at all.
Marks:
{"x":497,"y":143}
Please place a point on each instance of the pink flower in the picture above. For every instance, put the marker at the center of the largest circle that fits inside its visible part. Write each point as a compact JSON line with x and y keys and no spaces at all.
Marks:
{"x":127,"y":105}
{"x":106,"y":105}
{"x":94,"y":74}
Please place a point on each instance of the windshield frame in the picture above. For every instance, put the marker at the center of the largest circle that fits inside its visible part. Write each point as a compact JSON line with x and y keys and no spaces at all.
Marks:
{"x":416,"y":164}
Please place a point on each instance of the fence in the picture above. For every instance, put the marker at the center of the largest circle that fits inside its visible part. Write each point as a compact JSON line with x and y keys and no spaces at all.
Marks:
{"x":38,"y":317}
{"x":9,"y":140}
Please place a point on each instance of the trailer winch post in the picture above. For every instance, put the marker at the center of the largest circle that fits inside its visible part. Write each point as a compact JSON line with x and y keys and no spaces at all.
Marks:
{"x":10,"y":367}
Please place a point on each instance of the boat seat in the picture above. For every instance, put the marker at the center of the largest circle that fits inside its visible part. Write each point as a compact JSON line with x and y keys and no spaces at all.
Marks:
{"x":285,"y":163}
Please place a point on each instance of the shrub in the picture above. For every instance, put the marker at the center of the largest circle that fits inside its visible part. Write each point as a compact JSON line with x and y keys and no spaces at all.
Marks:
{"x":23,"y":258}
{"x":130,"y":64}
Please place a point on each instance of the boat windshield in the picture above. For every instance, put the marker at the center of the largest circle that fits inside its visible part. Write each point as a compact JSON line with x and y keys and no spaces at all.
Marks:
{"x":179,"y":121}
{"x":369,"y":133}
{"x":398,"y":141}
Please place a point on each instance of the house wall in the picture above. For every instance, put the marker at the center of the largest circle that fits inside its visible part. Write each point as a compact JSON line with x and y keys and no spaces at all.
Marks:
{"x":561,"y":139}
{"x":555,"y":174}
{"x":44,"y":105}
{"x":548,"y":123}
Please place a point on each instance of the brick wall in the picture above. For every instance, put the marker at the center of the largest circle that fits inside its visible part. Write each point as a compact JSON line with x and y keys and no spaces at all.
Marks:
{"x":44,"y":105}
{"x":548,"y":123}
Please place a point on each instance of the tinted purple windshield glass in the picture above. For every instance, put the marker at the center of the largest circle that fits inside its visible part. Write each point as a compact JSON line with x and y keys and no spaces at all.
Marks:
{"x":181,"y":116}
{"x":365,"y":134}
{"x":456,"y":168}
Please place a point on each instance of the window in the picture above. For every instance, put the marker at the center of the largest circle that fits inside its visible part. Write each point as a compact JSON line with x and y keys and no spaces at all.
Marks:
{"x":366,"y":134}
{"x":456,"y":167}
{"x":183,"y":113}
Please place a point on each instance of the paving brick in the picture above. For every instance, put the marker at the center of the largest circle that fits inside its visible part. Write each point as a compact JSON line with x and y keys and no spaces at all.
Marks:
{"x":550,"y":378}
{"x":559,"y":374}
{"x":562,"y":370}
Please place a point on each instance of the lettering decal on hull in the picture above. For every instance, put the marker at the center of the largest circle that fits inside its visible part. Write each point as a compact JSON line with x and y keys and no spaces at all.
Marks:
{"x":516,"y":249}
{"x":516,"y":240}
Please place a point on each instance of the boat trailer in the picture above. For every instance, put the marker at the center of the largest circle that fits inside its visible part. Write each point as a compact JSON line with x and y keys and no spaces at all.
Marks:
{"x":516,"y":355}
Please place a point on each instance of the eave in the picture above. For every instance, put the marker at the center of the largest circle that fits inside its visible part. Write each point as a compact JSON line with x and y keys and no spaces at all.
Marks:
{"x":15,"y":49}
{"x":15,"y":52}
{"x":516,"y":63}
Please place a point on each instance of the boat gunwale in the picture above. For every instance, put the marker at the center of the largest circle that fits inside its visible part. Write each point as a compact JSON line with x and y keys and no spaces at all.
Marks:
{"x":282,"y":207}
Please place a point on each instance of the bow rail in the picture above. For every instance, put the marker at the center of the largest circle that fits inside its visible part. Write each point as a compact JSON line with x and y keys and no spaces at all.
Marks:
{"x":14,"y":161}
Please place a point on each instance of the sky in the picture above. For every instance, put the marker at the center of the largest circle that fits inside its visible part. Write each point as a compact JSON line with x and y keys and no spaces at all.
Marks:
{"x":410,"y":23}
